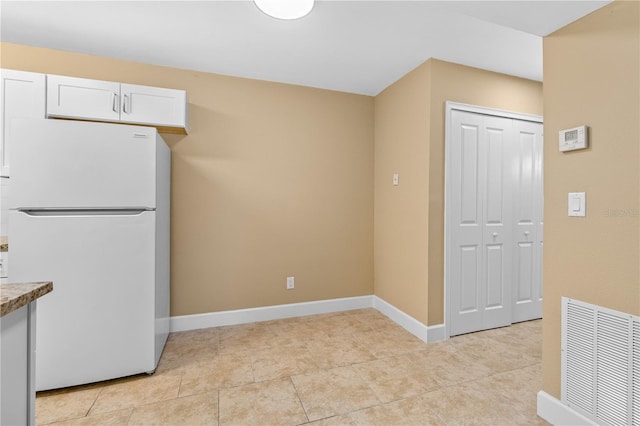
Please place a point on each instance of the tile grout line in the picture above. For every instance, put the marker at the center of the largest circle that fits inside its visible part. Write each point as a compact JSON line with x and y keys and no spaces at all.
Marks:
{"x":299,"y":399}
{"x":130,"y":414}
{"x":94,"y":402}
{"x":218,"y":416}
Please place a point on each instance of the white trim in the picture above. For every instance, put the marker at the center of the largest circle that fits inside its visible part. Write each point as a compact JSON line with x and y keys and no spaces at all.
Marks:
{"x":267,"y":313}
{"x":492,"y":111}
{"x":435,"y":333}
{"x":429,"y":334}
{"x":556,"y":413}
{"x":426,"y":334}
{"x":449,"y":107}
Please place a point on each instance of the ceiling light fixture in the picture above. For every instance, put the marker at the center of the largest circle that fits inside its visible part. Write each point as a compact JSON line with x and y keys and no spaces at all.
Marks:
{"x":285,"y":9}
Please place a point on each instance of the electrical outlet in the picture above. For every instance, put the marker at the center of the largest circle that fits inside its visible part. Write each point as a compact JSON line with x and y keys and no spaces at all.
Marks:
{"x":290,"y":283}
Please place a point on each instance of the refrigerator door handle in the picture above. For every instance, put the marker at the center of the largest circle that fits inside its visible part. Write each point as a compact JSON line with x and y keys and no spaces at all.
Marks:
{"x":91,"y":212}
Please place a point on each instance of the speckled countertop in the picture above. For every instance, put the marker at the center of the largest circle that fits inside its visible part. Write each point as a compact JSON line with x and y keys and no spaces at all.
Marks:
{"x":4,"y":244}
{"x":15,"y":296}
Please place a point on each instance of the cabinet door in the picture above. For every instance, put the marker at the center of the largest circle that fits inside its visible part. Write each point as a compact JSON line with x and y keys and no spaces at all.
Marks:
{"x":17,"y":363}
{"x":4,"y":206}
{"x":23,"y":96}
{"x":4,"y":226}
{"x":4,"y":264}
{"x":81,"y":98}
{"x":153,"y":106}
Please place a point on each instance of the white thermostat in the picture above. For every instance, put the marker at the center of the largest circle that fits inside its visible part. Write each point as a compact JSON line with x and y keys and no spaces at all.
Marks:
{"x":572,"y":139}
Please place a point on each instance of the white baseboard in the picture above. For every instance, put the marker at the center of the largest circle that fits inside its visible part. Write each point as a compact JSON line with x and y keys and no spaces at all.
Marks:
{"x":425,"y":333}
{"x":435,"y":333}
{"x":243,"y":316}
{"x":268,"y":313}
{"x":558,"y":414}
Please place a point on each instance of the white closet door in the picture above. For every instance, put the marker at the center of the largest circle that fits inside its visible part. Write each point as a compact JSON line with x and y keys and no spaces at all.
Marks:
{"x":497,"y":221}
{"x":540,"y":218}
{"x":527,"y":277}
{"x":466,"y":220}
{"x":480,"y":212}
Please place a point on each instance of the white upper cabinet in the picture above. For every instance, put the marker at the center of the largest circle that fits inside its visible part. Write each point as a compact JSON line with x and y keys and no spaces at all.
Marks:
{"x":84,"y":99}
{"x":153,"y":105}
{"x":23,"y":96}
{"x":81,"y":98}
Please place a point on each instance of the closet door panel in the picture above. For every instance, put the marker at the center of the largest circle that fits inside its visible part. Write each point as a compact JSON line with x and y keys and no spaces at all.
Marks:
{"x":481,"y":216}
{"x":496,"y":153}
{"x":465,"y":250}
{"x":527,"y":302}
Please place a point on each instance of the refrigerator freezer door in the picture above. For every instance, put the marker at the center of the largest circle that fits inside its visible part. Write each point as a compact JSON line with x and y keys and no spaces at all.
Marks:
{"x":98,"y":323}
{"x":70,"y":164}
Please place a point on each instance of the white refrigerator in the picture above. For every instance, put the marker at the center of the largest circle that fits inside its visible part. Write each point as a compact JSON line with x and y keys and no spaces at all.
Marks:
{"x":89,"y":210}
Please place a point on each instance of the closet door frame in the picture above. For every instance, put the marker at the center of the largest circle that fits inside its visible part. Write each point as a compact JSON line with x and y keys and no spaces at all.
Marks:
{"x":448,"y":228}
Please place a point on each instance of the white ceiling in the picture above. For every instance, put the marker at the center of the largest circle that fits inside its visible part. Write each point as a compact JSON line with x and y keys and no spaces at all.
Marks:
{"x":353,"y":46}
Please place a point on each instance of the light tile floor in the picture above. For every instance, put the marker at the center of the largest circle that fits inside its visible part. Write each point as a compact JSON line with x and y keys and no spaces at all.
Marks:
{"x":349,"y":368}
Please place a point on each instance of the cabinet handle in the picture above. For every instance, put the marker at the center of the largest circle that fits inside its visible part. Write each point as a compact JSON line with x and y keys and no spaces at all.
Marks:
{"x":114,"y":104}
{"x":124,"y":105}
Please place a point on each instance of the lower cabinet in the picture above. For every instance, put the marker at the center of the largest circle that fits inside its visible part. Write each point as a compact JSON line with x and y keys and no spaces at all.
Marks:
{"x":4,"y":267}
{"x":17,"y":367}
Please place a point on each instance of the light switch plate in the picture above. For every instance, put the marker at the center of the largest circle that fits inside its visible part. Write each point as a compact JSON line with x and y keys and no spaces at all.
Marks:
{"x":577,"y":204}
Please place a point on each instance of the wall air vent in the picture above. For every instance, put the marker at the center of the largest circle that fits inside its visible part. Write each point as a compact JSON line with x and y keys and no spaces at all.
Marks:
{"x":601,"y":363}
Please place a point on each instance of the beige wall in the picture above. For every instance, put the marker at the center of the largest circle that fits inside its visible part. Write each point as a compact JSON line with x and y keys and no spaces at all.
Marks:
{"x":273,"y":180}
{"x":409,"y":218}
{"x":591,"y":77}
{"x":402,"y":212}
